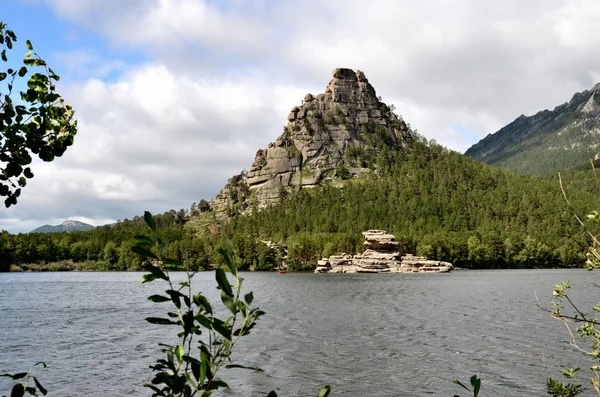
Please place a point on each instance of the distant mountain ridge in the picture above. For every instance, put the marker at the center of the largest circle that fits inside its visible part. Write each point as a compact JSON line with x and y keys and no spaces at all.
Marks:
{"x":547,"y":142}
{"x":66,"y":226}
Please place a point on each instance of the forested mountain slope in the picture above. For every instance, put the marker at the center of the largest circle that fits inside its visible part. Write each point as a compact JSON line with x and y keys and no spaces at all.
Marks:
{"x":547,"y":142}
{"x":438,"y":203}
{"x":346,"y":163}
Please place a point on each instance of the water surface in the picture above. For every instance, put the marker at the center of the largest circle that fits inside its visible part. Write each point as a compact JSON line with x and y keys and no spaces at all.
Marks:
{"x":366,"y":335}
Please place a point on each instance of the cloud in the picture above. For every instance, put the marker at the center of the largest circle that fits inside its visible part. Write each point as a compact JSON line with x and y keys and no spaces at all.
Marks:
{"x":85,"y":63}
{"x":219,"y":78}
{"x":152,"y":140}
{"x":460,"y":57}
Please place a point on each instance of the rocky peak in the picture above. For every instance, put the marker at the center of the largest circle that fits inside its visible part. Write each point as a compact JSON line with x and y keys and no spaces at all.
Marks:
{"x":334,"y":134}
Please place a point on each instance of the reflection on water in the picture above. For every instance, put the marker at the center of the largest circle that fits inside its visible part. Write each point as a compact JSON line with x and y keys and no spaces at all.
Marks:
{"x":366,"y":335}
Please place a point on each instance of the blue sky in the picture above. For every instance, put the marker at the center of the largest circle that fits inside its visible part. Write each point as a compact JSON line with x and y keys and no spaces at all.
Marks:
{"x":52,"y":35}
{"x":175,"y":96}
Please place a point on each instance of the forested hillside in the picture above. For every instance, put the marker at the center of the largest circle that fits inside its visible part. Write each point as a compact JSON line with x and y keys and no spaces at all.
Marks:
{"x":345,"y":163}
{"x":547,"y":142}
{"x":440,"y":204}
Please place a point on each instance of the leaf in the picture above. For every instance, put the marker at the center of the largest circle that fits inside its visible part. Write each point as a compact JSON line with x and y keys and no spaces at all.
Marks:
{"x":160,"y":321}
{"x":158,"y":298}
{"x":39,"y":386}
{"x":18,"y":390}
{"x":223,"y":282}
{"x":228,"y":261}
{"x":146,"y":278}
{"x":28,"y":45}
{"x":22,"y":71}
{"x":460,"y":384}
{"x":244,"y":367}
{"x":19,"y":375}
{"x":179,"y":352}
{"x":476,"y":383}
{"x":201,"y":301}
{"x":217,"y":383}
{"x":204,"y":321}
{"x":150,"y":221}
{"x":144,"y":252}
{"x":249,"y":297}
{"x":229,"y":302}
{"x":204,"y":366}
{"x":325,"y":390}
{"x":155,"y":273}
{"x":175,"y":297}
{"x":220,"y":327}
{"x":143,"y":240}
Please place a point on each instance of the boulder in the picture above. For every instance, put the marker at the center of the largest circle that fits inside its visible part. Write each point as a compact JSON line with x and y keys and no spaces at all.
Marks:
{"x":383,"y":255}
{"x":344,"y":74}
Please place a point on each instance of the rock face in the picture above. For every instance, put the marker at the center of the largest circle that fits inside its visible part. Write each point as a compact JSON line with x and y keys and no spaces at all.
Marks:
{"x":326,"y":137}
{"x":383,"y":255}
{"x":547,"y":142}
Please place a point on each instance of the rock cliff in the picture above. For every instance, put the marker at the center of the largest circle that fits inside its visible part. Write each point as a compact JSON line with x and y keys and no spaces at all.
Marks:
{"x":383,"y":254}
{"x":332,"y":135}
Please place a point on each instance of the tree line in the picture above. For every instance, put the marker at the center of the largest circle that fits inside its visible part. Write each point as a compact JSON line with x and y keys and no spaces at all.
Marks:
{"x":438,"y":203}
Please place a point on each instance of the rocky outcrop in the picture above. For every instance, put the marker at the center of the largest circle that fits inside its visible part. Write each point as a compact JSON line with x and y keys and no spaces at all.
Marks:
{"x":327,"y":137}
{"x":383,"y":254}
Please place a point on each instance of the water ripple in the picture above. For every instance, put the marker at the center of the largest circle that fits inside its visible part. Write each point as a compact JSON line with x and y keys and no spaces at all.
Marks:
{"x":366,"y":335}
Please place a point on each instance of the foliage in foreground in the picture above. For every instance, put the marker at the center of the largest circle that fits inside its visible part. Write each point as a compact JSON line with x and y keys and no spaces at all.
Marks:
{"x":38,"y":122}
{"x":586,"y":321}
{"x":475,"y":383}
{"x":206,"y":341}
{"x":19,"y":389}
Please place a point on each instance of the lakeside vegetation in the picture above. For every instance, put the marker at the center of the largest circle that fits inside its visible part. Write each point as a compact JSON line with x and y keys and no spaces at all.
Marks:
{"x":437,"y":202}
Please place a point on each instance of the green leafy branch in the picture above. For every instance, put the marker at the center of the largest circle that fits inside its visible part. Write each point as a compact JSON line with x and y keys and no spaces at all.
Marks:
{"x":475,"y":383}
{"x":19,"y":389}
{"x":42,"y":123}
{"x":187,"y":371}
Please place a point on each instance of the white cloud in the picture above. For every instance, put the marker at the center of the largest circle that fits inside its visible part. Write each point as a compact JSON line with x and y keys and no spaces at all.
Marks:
{"x":152,"y":140}
{"x":85,"y":63}
{"x":223,"y":75}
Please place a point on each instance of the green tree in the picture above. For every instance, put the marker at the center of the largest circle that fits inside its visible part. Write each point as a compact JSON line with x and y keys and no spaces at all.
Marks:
{"x":38,"y":121}
{"x":110,"y":254}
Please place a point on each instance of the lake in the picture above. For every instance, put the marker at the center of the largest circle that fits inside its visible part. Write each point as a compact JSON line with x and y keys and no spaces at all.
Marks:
{"x":365,"y":334}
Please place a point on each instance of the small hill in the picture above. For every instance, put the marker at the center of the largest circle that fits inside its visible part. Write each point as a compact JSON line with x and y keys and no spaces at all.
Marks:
{"x":547,"y":142}
{"x":66,"y":226}
{"x":335,"y":135}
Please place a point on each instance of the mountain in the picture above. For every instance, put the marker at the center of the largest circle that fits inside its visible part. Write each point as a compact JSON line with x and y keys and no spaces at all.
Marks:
{"x":345,"y":163}
{"x":66,"y":226}
{"x":547,"y":142}
{"x":335,"y":135}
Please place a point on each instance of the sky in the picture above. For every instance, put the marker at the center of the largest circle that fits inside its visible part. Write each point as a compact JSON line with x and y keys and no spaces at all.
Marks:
{"x":173,"y":97}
